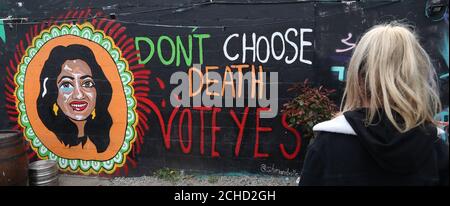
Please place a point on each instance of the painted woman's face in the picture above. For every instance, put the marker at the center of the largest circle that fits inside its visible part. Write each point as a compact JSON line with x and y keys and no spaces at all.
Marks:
{"x":76,"y":90}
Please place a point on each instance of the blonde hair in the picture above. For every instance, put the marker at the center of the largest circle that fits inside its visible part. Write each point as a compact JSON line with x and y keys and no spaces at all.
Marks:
{"x":390,"y":70}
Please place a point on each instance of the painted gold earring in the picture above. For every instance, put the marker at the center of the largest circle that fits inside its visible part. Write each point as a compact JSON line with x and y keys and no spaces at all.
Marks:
{"x":55,"y":109}
{"x":93,"y":114}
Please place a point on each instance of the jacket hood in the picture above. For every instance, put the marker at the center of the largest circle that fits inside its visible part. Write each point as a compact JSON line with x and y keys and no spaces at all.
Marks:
{"x":392,"y":150}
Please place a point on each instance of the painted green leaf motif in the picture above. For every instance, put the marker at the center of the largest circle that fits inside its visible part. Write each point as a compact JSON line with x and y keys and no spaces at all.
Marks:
{"x":36,"y":142}
{"x":27,"y":60}
{"x":65,"y":30}
{"x":75,"y":31}
{"x":118,"y":158}
{"x":86,"y":33}
{"x":124,"y":147}
{"x":97,"y":38}
{"x":63,"y":163}
{"x":121,"y":66}
{"x":108,"y":165}
{"x":131,"y":116}
{"x":21,"y":106}
{"x":73,"y":164}
{"x":85,"y":165}
{"x":52,"y":156}
{"x":115,"y":55}
{"x":20,"y":91}
{"x":106,"y":44}
{"x":25,"y":119}
{"x":20,"y":79}
{"x":127,"y":90}
{"x":96,"y":165}
{"x":55,"y":32}
{"x":32,"y":52}
{"x":43,"y":151}
{"x":46,"y":37}
{"x":129,"y":134}
{"x":23,"y":68}
{"x":130,"y":102}
{"x":125,"y":77}
{"x":30,"y":132}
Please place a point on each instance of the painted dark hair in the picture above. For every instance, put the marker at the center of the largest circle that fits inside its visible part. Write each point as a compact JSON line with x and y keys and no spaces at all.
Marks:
{"x":97,"y":129}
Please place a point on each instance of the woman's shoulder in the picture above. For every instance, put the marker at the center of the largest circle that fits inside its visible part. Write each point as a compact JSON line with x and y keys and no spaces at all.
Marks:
{"x":335,"y":133}
{"x":337,"y":137}
{"x":338,"y":125}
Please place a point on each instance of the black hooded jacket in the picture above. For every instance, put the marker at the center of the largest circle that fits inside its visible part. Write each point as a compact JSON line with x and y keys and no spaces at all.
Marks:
{"x":347,"y":152}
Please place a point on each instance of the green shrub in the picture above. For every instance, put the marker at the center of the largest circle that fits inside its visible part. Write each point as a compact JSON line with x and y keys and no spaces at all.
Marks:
{"x":309,"y":107}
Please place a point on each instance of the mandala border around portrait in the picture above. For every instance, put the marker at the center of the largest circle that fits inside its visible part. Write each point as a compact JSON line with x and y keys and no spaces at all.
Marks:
{"x":85,"y":31}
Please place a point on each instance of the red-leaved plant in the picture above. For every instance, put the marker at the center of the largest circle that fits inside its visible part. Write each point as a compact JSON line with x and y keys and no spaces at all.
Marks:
{"x":311,"y":106}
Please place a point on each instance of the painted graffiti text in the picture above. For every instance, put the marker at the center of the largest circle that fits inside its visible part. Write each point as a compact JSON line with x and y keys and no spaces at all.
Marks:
{"x":171,"y":50}
{"x":261,"y":49}
{"x":229,"y":89}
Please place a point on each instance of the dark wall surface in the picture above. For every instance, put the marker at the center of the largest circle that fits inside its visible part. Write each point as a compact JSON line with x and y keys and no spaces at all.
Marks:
{"x":218,"y":143}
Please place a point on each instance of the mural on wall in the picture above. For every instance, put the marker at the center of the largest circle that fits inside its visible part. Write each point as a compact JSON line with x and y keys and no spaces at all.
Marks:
{"x":102,"y":91}
{"x":76,"y":89}
{"x":68,"y":83}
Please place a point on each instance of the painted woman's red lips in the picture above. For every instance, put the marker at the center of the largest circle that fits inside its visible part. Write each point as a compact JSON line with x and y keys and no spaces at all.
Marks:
{"x":78,"y":105}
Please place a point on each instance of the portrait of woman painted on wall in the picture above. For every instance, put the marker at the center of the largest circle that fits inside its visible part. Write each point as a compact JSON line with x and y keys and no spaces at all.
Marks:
{"x":74,"y":98}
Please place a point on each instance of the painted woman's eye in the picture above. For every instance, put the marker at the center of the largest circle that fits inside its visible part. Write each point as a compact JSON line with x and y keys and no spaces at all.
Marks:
{"x":88,"y":84}
{"x":66,"y":87}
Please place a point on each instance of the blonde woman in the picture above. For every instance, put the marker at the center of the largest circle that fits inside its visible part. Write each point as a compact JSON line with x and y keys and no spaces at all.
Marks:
{"x":386,"y":134}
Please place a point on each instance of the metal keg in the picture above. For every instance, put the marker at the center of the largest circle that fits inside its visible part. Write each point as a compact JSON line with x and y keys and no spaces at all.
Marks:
{"x":44,"y":173}
{"x":13,"y":159}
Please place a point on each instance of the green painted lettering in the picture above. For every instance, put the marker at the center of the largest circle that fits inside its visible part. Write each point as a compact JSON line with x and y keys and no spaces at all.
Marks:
{"x":149,"y":42}
{"x":182,"y":49}
{"x":172,"y":50}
